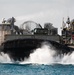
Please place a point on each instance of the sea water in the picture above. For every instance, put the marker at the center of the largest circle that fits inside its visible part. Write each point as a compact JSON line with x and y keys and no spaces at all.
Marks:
{"x":42,"y":61}
{"x":33,"y":69}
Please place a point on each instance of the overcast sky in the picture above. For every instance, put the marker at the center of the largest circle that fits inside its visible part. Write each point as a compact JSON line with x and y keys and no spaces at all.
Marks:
{"x":40,"y":11}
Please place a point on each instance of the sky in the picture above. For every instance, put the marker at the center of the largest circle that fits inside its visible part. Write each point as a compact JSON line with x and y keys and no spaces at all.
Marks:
{"x":39,"y":11}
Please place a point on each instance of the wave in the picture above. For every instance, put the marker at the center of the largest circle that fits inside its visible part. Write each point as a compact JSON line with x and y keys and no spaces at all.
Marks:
{"x":48,"y":55}
{"x":45,"y":55}
{"x":4,"y":58}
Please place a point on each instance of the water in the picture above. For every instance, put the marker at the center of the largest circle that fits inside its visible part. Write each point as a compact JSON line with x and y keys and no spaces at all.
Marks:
{"x":42,"y":62}
{"x":30,"y":69}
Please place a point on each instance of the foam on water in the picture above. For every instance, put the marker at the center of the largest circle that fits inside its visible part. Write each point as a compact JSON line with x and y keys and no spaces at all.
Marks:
{"x":4,"y":58}
{"x":44,"y":55}
{"x":41,"y":55}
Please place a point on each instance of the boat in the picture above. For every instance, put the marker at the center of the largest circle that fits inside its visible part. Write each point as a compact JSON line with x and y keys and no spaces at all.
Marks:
{"x":19,"y":42}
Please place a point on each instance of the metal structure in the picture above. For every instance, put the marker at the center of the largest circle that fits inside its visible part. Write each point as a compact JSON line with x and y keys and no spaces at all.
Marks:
{"x":68,"y":32}
{"x":30,"y":25}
